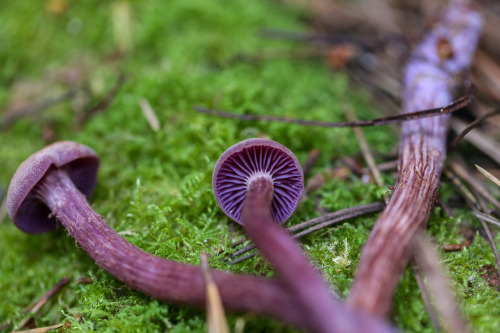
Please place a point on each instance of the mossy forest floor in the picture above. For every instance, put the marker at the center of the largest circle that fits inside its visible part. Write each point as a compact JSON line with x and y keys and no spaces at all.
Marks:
{"x":154,"y":187}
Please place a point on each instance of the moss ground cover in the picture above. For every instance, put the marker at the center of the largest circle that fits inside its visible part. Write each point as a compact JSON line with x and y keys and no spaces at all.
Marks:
{"x":155,"y":187}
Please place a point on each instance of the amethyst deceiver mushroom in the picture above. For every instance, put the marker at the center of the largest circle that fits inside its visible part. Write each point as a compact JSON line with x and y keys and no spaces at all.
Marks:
{"x":249,"y":160}
{"x":258,"y":183}
{"x":51,"y":188}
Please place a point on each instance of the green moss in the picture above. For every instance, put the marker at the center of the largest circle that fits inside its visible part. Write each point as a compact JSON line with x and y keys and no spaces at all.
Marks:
{"x":155,"y":187}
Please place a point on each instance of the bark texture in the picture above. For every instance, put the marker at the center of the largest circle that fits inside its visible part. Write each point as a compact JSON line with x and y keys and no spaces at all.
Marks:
{"x":431,"y":78}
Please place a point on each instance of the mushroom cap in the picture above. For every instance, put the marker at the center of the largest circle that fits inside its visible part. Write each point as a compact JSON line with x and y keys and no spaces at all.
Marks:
{"x":25,"y":208}
{"x":254,"y":158}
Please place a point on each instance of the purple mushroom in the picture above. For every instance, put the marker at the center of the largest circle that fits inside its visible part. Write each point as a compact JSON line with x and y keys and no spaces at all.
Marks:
{"x":249,"y":160}
{"x":259,"y":183}
{"x":51,"y":188}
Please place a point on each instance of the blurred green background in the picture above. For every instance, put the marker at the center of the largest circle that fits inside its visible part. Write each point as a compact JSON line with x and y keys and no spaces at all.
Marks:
{"x":155,"y":185}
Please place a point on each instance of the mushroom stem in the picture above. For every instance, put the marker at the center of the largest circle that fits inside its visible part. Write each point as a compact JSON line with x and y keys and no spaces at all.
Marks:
{"x":157,"y":277}
{"x":323,"y":312}
{"x":430,"y":80}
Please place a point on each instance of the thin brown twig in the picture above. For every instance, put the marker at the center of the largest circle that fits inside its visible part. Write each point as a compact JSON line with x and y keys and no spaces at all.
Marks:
{"x":444,"y":206}
{"x":314,"y":38}
{"x":310,"y":161}
{"x":368,"y":44}
{"x":37,"y":108}
{"x":66,"y":325}
{"x":479,"y":140}
{"x":84,"y":280}
{"x":452,"y":107}
{"x":468,"y":234}
{"x":487,"y":218}
{"x":363,"y":145}
{"x":457,"y":182}
{"x":488,"y":175}
{"x":317,"y":224}
{"x":387,"y":100}
{"x":428,"y":260}
{"x":248,"y":256}
{"x":490,"y":239}
{"x":103,"y":103}
{"x":35,"y":307}
{"x":346,"y":213}
{"x":216,"y":318}
{"x":426,"y":297}
{"x":473,"y":125}
{"x":339,"y":216}
{"x":279,"y":53}
{"x":149,"y":114}
{"x":476,"y":205}
{"x":489,"y":234}
{"x":456,"y":247}
{"x":365,"y":149}
{"x":41,"y":329}
{"x":459,"y":168}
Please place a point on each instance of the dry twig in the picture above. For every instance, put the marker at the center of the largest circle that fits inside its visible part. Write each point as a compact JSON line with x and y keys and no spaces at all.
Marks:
{"x":150,"y":114}
{"x":310,"y":161}
{"x":216,"y":318}
{"x":488,"y":175}
{"x":316,"y":224}
{"x":459,"y":168}
{"x":41,"y":329}
{"x":426,"y":296}
{"x":478,"y":139}
{"x":445,"y":109}
{"x":473,"y":125}
{"x":476,"y":204}
{"x":34,"y":109}
{"x":104,"y":103}
{"x":428,"y":260}
{"x":36,"y":306}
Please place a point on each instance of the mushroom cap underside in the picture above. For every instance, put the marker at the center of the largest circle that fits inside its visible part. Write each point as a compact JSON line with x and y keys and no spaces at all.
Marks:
{"x":252,"y":158}
{"x":24,"y":207}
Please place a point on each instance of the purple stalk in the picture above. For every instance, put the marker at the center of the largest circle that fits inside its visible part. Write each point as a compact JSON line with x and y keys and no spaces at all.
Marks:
{"x":160,"y":278}
{"x":431,"y":74}
{"x":48,"y":189}
{"x":259,"y":164}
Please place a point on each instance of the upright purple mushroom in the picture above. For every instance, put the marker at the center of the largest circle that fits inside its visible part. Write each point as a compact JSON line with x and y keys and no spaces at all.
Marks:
{"x":259,"y":183}
{"x":51,"y":187}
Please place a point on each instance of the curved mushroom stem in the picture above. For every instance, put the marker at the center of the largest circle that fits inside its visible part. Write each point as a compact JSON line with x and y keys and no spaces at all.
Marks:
{"x":322,"y":311}
{"x":157,"y":277}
